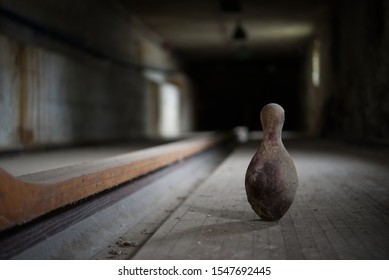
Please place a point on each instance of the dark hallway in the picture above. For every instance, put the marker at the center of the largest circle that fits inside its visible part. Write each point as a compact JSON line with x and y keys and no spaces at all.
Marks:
{"x":233,"y":92}
{"x":126,"y":128}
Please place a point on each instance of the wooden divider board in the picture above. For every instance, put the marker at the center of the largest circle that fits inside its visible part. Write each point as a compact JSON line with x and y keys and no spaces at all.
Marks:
{"x":30,"y":196}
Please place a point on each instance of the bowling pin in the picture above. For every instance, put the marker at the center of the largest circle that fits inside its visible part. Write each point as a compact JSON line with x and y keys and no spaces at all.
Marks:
{"x":271,"y":178}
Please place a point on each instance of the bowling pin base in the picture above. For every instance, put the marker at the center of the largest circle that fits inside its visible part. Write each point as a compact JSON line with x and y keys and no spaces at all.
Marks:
{"x":269,"y":195}
{"x":270,"y":209}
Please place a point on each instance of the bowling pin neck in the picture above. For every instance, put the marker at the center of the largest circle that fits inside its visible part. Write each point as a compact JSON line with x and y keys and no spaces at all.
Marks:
{"x":272,"y":137}
{"x":272,"y":119}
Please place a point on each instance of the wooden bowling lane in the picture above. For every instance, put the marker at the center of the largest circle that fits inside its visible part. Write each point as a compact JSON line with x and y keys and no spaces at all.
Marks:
{"x":341,"y":210}
{"x":33,"y":161}
{"x":27,"y":197}
{"x":90,"y":229}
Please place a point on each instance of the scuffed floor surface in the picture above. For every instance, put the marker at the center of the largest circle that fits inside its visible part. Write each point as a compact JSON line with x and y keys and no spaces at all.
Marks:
{"x":341,"y":210}
{"x":197,"y":209}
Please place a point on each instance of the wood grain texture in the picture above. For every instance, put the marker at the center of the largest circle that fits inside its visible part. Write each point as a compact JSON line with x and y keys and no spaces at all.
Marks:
{"x":340,"y":211}
{"x":27,"y":197}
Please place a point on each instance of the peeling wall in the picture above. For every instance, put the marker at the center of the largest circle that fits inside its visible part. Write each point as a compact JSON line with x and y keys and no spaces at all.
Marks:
{"x":49,"y":98}
{"x":72,"y":72}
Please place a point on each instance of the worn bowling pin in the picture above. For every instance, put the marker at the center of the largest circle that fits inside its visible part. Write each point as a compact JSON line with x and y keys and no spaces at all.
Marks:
{"x":271,"y":177}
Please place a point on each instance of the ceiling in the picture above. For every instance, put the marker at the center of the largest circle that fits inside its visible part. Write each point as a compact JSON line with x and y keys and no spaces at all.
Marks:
{"x":203,"y":29}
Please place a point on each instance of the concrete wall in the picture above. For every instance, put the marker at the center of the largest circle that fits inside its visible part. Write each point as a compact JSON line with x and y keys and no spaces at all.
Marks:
{"x":73,"y":71}
{"x":359,"y":107}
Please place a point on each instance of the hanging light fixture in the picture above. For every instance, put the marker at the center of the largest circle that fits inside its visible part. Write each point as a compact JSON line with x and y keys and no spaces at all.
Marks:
{"x":239,"y":33}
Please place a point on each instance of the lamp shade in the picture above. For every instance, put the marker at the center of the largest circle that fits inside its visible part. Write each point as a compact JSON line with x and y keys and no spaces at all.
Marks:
{"x":239,"y":33}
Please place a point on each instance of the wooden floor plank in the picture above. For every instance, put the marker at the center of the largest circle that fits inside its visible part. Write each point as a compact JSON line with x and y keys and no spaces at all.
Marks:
{"x":238,"y":244}
{"x":293,"y":245}
{"x":340,"y":212}
{"x":203,"y":220}
{"x":303,"y":232}
{"x":261,"y":244}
